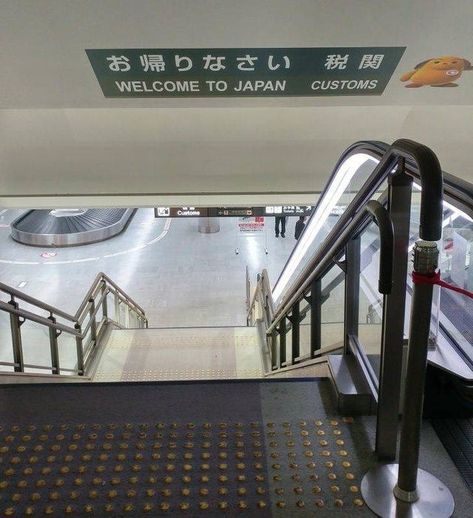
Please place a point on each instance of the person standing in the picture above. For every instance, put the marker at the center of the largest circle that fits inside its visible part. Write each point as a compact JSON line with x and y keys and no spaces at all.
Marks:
{"x":280,"y":221}
{"x":300,"y":226}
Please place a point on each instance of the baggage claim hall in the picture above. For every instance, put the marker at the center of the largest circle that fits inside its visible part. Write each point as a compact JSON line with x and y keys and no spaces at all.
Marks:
{"x":236,"y":249}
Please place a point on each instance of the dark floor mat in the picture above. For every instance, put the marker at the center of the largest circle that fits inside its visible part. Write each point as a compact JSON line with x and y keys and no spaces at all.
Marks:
{"x":197,"y":449}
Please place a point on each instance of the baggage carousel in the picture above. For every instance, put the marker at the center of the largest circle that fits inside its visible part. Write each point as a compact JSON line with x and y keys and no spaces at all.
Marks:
{"x":69,"y":227}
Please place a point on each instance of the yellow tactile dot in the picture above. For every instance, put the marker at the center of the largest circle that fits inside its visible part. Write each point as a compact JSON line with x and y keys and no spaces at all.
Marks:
{"x":203,"y":491}
{"x":54,"y":495}
{"x":241,"y":491}
{"x":242,"y":504}
{"x":188,"y":455}
{"x":349,"y":476}
{"x":281,"y":504}
{"x":40,"y":483}
{"x":223,"y":465}
{"x":93,"y":494}
{"x":329,"y":464}
{"x":358,"y":502}
{"x":334,"y":489}
{"x":108,"y":508}
{"x":184,"y":506}
{"x":205,"y":455}
{"x":136,"y":467}
{"x":4,"y":449}
{"x":112,"y":493}
{"x":128,"y":508}
{"x":313,"y":476}
{"x":166,"y":492}
{"x":279,"y":491}
{"x":9,"y":511}
{"x":206,"y":444}
{"x":290,"y":444}
{"x":73,"y":495}
{"x":35,"y":497}
{"x":354,"y":489}
{"x":155,"y":456}
{"x":16,"y":497}
{"x":222,"y":478}
{"x":338,"y":502}
{"x":223,"y":455}
{"x":21,"y":448}
{"x":164,"y":506}
{"x":152,"y":480}
{"x":274,"y":455}
{"x":259,"y":477}
{"x":204,"y":467}
{"x":185,"y":491}
{"x":186,"y":479}
{"x":49,"y":509}
{"x":343,"y":453}
{"x":148,"y":507}
{"x":222,"y":491}
{"x":319,"y":502}
{"x":131,"y":493}
{"x":320,"y":432}
{"x":115,"y":481}
{"x":133,"y":480}
{"x":168,"y":480}
{"x":38,"y":447}
{"x":4,"y":484}
{"x":337,"y":432}
{"x":332,"y":476}
{"x":9,"y":472}
{"x":203,"y":505}
{"x":29,"y":511}
{"x":325,"y":453}
{"x":241,"y":478}
{"x":223,"y":505}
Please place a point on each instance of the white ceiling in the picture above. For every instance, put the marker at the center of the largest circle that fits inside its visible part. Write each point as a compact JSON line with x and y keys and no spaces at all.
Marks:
{"x":60,"y":137}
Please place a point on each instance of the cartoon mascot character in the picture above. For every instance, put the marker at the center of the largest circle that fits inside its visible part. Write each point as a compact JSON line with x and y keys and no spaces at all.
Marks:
{"x":441,"y":71}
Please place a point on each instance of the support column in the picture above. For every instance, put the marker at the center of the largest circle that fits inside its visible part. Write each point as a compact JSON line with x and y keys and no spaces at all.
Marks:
{"x":209,"y":225}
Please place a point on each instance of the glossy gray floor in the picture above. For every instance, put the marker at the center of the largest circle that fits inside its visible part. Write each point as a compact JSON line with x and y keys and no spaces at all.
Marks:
{"x":180,"y":277}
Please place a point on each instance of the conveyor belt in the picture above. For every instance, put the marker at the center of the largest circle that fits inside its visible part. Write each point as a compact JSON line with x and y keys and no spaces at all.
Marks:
{"x":45,"y":228}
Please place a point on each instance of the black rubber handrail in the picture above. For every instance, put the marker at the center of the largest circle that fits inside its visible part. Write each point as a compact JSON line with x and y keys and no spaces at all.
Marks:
{"x":386,"y":234}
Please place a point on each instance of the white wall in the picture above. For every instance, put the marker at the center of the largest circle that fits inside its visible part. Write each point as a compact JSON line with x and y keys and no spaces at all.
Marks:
{"x":59,"y":136}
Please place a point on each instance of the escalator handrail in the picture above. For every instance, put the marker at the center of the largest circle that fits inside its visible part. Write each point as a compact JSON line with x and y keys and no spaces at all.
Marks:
{"x":421,"y":163}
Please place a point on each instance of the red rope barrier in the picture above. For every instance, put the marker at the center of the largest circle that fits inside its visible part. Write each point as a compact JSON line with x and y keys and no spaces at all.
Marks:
{"x":419,"y":278}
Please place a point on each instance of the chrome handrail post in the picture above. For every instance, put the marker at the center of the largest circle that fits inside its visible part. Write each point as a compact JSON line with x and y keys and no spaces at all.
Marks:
{"x":80,"y":350}
{"x":53,"y":336}
{"x":93,"y":321}
{"x":104,"y":299}
{"x":117,"y":307}
{"x":15,"y":324}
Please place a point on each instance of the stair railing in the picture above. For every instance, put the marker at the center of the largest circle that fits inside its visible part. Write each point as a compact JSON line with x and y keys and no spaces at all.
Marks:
{"x":86,"y":327}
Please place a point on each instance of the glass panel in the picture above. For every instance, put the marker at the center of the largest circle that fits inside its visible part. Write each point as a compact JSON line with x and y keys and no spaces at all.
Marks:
{"x":350,"y":177}
{"x":457,"y":269}
{"x":36,"y":348}
{"x":333,"y":307}
{"x":371,"y":301}
{"x":6,"y":350}
{"x":304,"y":329}
{"x":67,"y":352}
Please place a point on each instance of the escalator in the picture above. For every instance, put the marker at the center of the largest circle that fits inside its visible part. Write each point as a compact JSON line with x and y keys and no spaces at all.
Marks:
{"x":69,"y":227}
{"x":254,"y":447}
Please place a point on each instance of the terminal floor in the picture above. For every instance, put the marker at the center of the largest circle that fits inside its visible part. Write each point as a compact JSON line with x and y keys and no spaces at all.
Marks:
{"x":181,"y":277}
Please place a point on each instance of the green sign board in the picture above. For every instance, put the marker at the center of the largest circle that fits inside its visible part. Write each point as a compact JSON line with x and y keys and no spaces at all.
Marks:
{"x":261,"y":72}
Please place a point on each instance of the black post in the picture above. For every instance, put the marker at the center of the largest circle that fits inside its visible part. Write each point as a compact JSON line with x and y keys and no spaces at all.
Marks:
{"x":352,"y":289}
{"x":295,"y":321}
{"x":392,"y":344}
{"x":282,"y":342}
{"x":315,"y":317}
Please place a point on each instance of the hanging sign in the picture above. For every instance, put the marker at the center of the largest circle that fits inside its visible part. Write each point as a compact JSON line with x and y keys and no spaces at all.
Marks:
{"x":250,"y":72}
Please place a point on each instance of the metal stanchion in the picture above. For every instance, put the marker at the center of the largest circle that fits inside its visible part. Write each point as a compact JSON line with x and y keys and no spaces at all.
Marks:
{"x":417,"y":492}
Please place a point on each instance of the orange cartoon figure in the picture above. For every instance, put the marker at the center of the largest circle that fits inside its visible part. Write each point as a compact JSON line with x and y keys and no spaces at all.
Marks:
{"x":441,"y":71}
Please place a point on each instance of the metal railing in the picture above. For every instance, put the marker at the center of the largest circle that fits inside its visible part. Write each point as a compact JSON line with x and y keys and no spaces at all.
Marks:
{"x":86,"y":326}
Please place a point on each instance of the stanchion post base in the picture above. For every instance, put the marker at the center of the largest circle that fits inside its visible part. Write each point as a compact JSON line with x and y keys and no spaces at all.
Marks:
{"x":435,"y":499}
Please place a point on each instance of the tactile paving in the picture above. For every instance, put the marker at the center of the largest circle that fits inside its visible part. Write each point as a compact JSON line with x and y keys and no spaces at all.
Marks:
{"x":116,"y":469}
